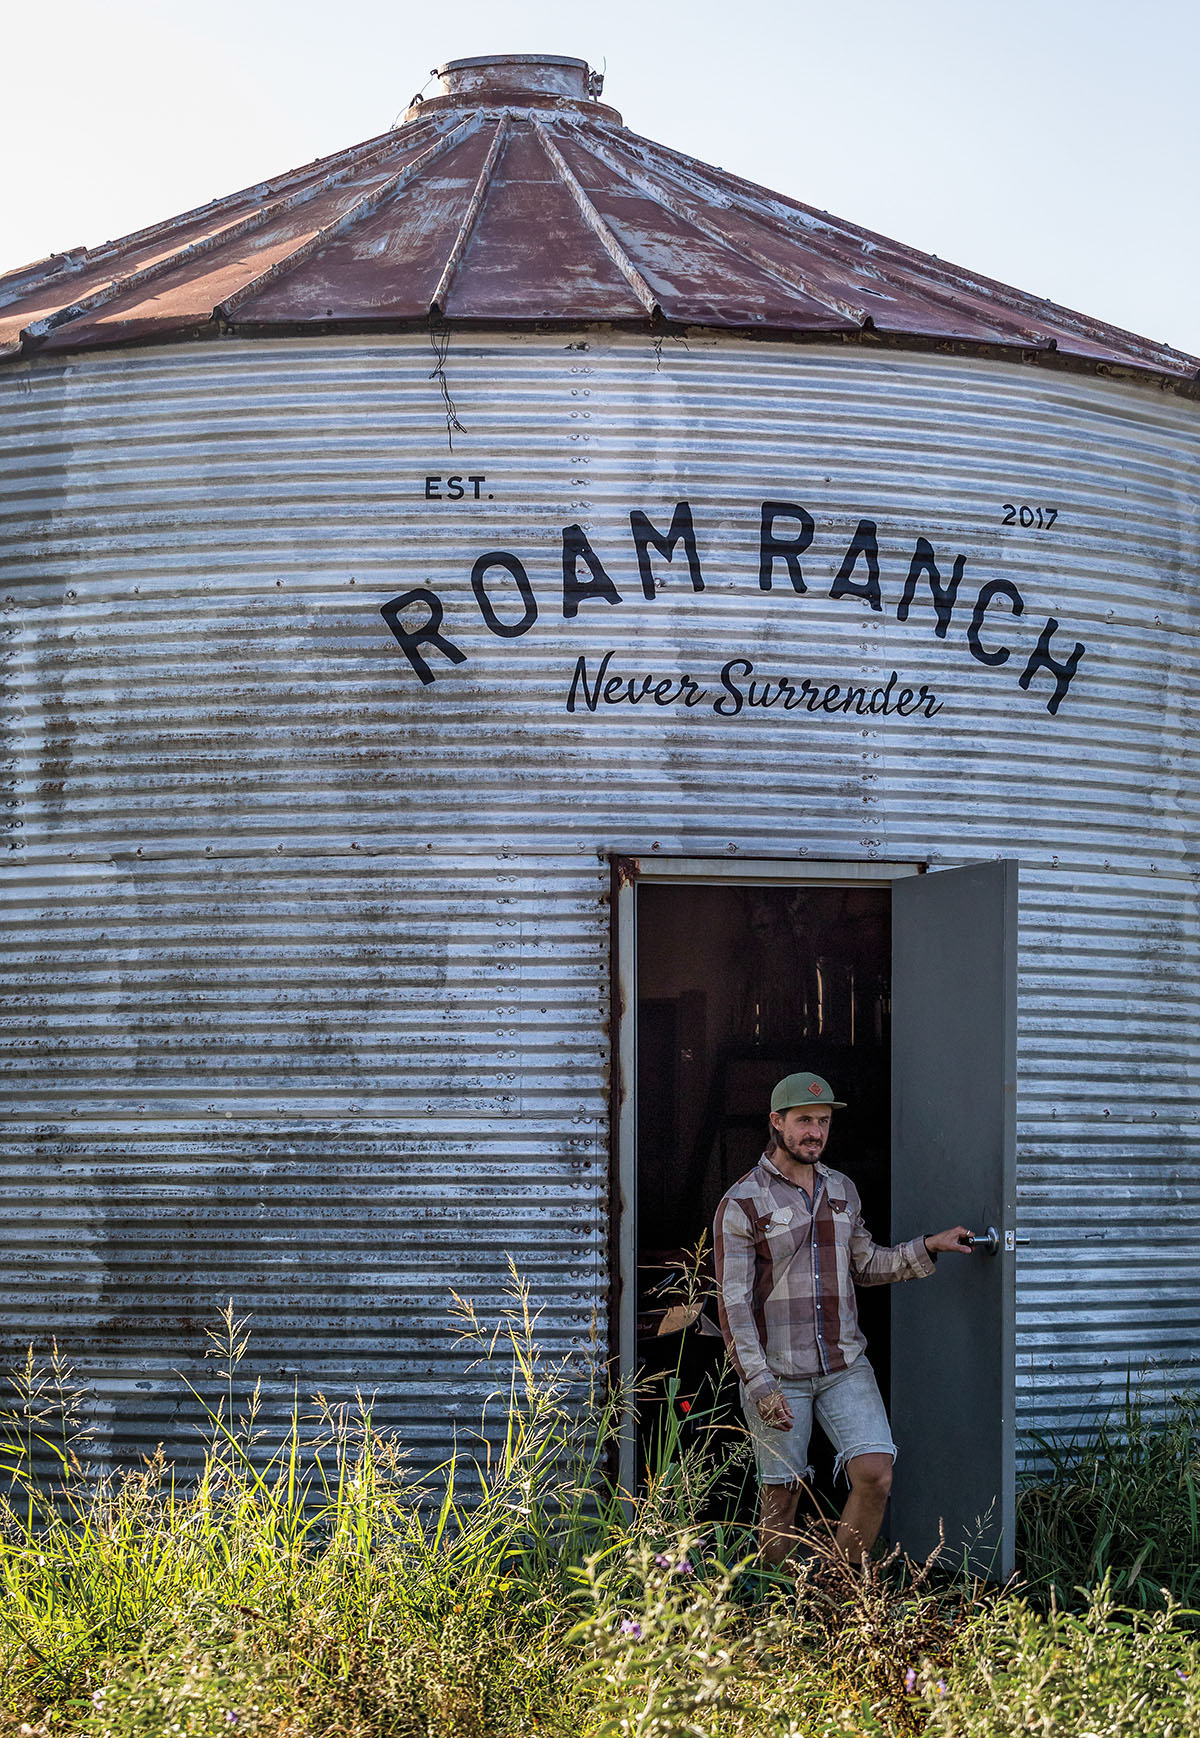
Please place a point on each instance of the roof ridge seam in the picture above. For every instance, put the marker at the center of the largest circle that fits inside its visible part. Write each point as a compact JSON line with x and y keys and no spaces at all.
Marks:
{"x":256,"y":219}
{"x":364,"y":206}
{"x":609,"y":241}
{"x":684,"y":209}
{"x":348,"y":161}
{"x":897,"y":275}
{"x":470,"y":216}
{"x":946,"y":273}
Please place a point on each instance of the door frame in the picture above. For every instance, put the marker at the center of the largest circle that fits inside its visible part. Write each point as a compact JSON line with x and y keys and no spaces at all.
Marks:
{"x":627,"y":872}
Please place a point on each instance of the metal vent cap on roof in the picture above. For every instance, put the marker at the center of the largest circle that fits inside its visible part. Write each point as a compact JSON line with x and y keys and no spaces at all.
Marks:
{"x":515,"y":81}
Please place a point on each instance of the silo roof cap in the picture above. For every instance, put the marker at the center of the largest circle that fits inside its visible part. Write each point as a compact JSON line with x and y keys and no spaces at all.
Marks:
{"x":512,"y":196}
{"x":525,"y":80}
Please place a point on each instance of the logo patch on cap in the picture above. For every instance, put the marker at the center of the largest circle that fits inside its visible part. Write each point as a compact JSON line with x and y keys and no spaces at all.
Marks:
{"x":814,"y":1086}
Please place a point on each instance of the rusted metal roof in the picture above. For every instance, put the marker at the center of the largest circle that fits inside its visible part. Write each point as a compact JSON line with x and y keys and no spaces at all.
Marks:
{"x":514,"y":196}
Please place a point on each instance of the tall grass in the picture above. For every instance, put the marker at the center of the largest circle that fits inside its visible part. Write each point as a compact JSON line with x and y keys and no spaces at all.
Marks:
{"x":308,"y":1581}
{"x":1119,"y":1503}
{"x":313,"y":1556}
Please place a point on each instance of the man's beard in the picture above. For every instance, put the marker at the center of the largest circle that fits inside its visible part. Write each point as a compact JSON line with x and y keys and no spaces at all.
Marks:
{"x":815,"y":1147}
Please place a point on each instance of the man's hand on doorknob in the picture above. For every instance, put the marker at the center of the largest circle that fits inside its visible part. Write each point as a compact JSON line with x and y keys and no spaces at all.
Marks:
{"x":957,"y":1239}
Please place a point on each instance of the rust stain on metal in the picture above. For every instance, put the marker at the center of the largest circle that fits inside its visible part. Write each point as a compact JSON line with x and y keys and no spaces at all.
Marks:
{"x":626,"y":871}
{"x":514,"y":196}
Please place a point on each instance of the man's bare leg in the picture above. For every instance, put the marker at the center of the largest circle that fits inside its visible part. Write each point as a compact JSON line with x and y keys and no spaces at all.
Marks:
{"x":870,"y":1478}
{"x":777,"y":1513}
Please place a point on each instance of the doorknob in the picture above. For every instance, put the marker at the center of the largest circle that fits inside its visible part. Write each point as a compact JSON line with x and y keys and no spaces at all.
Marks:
{"x":988,"y":1241}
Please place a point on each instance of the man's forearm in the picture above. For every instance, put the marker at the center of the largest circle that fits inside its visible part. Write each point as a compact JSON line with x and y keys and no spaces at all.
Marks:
{"x":880,"y":1264}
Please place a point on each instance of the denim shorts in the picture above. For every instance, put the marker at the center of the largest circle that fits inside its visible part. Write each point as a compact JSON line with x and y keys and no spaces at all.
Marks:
{"x":848,"y":1407}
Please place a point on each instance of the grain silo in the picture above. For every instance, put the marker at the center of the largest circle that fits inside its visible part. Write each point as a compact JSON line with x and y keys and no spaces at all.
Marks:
{"x":515,"y":638}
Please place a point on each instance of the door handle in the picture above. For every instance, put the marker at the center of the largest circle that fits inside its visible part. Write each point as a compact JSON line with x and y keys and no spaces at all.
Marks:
{"x":989,"y":1241}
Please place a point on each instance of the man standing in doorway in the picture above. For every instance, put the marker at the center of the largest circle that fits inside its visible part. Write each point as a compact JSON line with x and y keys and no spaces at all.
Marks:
{"x":790,"y":1247}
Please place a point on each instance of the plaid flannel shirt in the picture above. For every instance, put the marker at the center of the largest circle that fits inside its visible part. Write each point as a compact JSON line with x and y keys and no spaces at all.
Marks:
{"x":786,"y":1272}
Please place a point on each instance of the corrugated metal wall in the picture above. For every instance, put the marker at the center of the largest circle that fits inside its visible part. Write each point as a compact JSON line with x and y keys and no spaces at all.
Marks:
{"x":309,"y":962}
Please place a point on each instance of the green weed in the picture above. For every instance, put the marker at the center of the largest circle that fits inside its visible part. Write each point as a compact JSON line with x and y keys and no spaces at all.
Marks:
{"x":308,"y":1583}
{"x":1120,"y":1501}
{"x":1102,"y":1671}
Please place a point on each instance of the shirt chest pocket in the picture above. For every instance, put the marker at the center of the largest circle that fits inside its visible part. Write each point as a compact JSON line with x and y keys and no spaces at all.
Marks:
{"x":784,"y":1231}
{"x":843,"y":1222}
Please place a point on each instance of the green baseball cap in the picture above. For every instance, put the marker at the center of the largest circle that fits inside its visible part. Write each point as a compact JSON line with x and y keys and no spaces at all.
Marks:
{"x":800,"y":1089}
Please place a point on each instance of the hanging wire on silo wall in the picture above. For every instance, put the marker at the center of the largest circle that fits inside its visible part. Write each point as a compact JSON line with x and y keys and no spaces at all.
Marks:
{"x":439,"y":338}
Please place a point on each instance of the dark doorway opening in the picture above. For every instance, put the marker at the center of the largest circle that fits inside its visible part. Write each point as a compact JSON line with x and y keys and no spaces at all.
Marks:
{"x":736,"y":987}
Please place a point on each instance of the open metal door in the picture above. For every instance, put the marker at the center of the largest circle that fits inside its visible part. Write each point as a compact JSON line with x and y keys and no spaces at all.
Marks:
{"x":954,"y":945}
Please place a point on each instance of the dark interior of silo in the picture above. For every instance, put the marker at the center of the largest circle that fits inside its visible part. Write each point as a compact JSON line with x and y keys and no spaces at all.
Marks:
{"x":737,"y":987}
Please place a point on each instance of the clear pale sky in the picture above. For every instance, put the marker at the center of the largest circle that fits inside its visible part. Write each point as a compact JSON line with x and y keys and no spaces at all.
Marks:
{"x":1054,"y":144}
